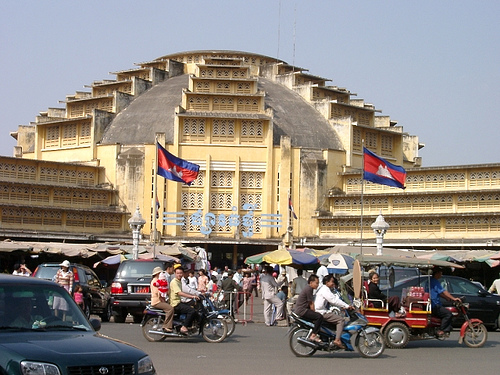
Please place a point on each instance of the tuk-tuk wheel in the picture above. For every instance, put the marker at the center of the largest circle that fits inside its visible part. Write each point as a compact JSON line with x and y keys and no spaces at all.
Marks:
{"x":396,"y":335}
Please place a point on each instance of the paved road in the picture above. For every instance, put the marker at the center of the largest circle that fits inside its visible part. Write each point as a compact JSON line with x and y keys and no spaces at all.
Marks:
{"x":255,"y":348}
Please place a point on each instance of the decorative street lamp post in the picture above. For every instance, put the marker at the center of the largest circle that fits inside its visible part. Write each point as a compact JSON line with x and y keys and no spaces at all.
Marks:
{"x":380,"y":228}
{"x":136,"y":223}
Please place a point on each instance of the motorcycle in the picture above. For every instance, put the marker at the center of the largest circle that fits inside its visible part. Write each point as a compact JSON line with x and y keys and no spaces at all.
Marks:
{"x":207,"y":323}
{"x":368,"y":341}
{"x":222,"y":313}
{"x":397,"y":332}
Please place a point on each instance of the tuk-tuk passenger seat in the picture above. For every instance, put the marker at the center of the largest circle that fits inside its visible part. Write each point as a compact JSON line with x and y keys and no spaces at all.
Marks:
{"x":372,"y":303}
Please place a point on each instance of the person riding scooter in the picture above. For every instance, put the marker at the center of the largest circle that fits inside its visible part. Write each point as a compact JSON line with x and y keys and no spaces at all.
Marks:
{"x":175,"y":300}
{"x":438,"y":310}
{"x":305,"y":307}
{"x":325,"y":296}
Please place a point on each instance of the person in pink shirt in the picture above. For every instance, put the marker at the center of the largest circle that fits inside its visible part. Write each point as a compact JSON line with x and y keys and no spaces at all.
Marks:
{"x":202,"y":281}
{"x":78,"y":296}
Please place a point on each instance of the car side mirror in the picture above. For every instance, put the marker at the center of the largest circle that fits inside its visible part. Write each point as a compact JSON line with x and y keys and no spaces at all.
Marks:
{"x":96,"y":324}
{"x":482,"y":293}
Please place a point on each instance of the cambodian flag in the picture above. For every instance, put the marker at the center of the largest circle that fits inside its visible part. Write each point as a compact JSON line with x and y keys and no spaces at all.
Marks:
{"x":382,"y":172}
{"x":173,"y":168}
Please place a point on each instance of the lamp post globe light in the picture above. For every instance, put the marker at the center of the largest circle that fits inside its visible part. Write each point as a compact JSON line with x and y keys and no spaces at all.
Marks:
{"x":380,"y":228}
{"x":136,"y":223}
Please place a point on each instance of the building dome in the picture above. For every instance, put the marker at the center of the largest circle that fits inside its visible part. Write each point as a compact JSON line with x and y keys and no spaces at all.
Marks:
{"x":154,"y":112}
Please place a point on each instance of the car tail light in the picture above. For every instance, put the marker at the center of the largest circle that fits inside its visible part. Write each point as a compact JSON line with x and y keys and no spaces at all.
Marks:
{"x":75,"y":275}
{"x":116,"y":288}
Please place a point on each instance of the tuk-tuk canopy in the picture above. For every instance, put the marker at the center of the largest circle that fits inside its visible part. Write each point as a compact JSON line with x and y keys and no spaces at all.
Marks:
{"x":414,"y":262}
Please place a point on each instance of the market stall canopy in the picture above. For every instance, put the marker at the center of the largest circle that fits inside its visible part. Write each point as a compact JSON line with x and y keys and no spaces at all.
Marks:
{"x":66,"y":249}
{"x":165,"y":252}
{"x":367,"y":250}
{"x":462,"y":256}
{"x":118,"y":258}
{"x":383,"y":260}
{"x":8,"y":246}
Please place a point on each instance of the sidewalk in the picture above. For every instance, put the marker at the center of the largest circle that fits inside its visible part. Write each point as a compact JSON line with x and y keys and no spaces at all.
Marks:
{"x":254,"y":312}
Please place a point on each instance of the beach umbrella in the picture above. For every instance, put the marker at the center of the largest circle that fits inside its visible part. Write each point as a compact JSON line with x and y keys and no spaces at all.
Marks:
{"x":256,"y":259}
{"x":286,"y":257}
{"x":337,"y":263}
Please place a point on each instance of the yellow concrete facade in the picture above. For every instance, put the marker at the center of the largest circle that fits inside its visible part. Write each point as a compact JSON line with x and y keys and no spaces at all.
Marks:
{"x":230,"y":118}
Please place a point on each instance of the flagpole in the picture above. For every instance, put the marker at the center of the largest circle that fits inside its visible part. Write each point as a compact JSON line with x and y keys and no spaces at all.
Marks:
{"x":362,"y":193}
{"x":155,"y":195}
{"x":289,"y":226}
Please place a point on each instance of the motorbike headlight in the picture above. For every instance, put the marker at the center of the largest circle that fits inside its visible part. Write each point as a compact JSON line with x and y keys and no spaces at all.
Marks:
{"x":145,"y":366}
{"x":39,"y":368}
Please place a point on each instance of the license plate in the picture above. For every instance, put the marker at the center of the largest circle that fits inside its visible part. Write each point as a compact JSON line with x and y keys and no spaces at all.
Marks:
{"x":143,"y":289}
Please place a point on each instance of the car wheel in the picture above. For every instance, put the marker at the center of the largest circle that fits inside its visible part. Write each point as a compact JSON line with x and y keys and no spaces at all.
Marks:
{"x":86,"y":309}
{"x":120,"y":316}
{"x":107,"y":314}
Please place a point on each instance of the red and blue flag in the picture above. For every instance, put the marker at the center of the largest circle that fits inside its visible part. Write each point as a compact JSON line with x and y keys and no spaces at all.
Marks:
{"x":173,"y":168}
{"x":382,"y":172}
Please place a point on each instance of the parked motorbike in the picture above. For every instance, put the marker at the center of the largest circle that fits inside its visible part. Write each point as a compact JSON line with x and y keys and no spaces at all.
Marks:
{"x":397,"y":332}
{"x":222,"y":313}
{"x":368,"y":341}
{"x":207,"y":323}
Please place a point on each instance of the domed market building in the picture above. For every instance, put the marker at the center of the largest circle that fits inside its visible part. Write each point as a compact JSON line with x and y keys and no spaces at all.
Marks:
{"x":279,"y":152}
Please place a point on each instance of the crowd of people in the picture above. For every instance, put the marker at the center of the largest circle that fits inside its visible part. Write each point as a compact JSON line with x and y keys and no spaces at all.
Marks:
{"x":176,"y":289}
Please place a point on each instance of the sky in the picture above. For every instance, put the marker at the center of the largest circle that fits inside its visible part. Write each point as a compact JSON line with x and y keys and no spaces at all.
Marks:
{"x":433,"y":66}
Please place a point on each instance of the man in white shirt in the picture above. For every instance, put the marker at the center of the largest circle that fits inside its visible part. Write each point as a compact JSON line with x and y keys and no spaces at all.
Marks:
{"x":495,"y":287}
{"x":238,"y":276}
{"x":21,"y":270}
{"x":201,"y":259}
{"x":325,"y":296}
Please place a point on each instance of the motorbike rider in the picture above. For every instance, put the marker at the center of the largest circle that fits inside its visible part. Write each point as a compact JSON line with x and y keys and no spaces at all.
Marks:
{"x":175,"y":299}
{"x":304,"y":307}
{"x":438,"y":310}
{"x":325,"y":297}
{"x":188,"y":288}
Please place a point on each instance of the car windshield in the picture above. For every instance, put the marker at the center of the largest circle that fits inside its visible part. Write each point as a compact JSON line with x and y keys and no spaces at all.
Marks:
{"x":39,"y":307}
{"x":463,"y":287}
{"x":46,"y":272}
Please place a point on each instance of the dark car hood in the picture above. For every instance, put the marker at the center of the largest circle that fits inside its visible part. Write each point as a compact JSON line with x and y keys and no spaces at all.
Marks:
{"x":72,"y":349}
